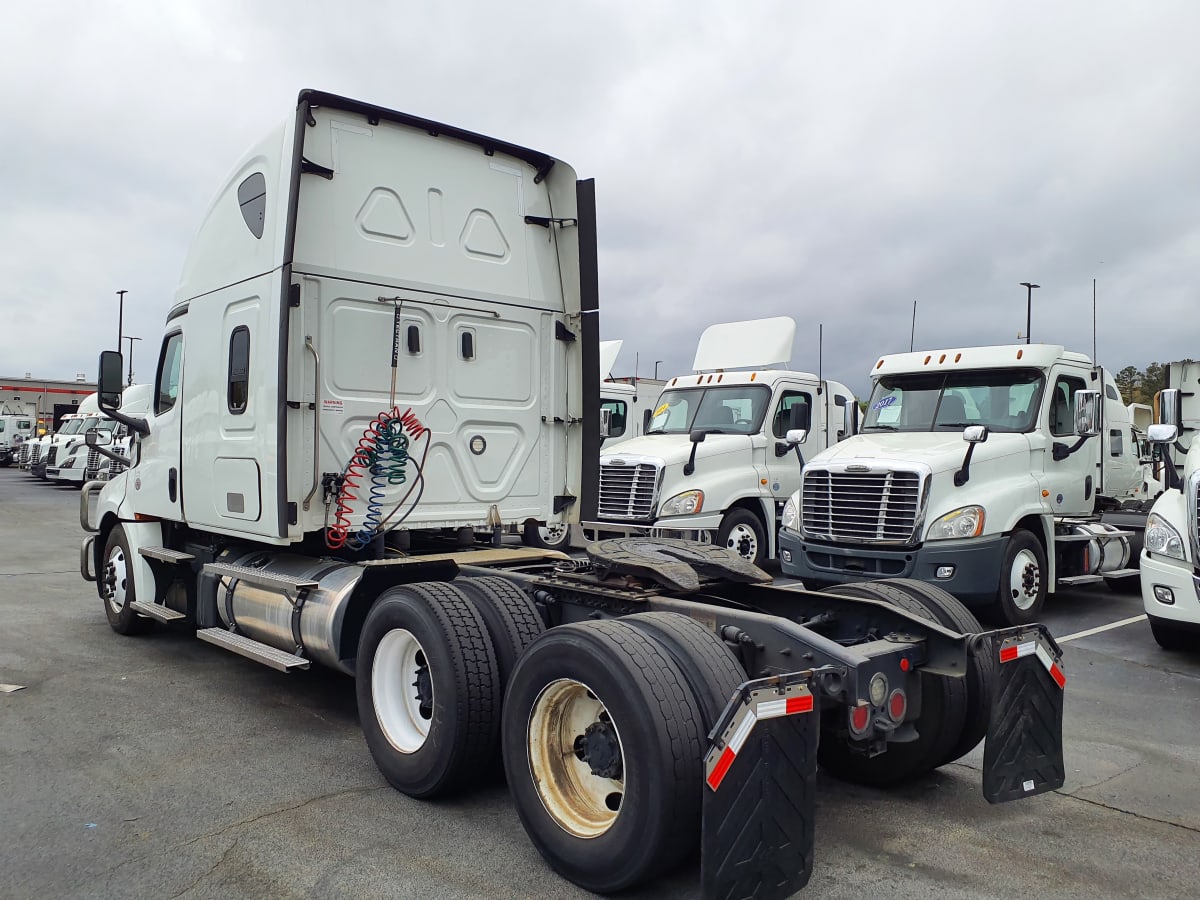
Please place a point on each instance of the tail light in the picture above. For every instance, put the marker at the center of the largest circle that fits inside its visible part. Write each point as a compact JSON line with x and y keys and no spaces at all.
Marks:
{"x":897,"y":706}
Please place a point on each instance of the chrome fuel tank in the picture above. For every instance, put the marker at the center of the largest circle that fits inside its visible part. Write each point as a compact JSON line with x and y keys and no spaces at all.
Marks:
{"x":269,"y":615}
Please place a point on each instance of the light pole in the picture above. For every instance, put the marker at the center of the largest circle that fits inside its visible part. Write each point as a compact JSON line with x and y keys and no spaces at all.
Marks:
{"x":656,"y":364}
{"x":121,"y":321}
{"x":1028,"y":305}
{"x":131,"y":339}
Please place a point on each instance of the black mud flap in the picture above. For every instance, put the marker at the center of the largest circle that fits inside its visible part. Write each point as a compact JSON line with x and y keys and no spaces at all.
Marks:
{"x":1023,"y":755}
{"x":759,"y":794}
{"x":671,"y":562}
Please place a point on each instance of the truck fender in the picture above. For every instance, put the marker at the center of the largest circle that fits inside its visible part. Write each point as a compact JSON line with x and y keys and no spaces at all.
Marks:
{"x":138,"y":534}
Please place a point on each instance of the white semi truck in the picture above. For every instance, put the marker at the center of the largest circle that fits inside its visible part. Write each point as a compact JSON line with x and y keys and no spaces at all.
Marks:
{"x":1170,"y":563}
{"x":625,"y":406}
{"x":379,"y":298}
{"x":79,"y":460}
{"x":15,"y":429}
{"x":44,"y":451}
{"x":716,"y":463}
{"x":983,"y":470}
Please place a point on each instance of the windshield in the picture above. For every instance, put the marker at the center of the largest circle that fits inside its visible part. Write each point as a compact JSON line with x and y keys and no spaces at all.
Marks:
{"x":729,"y":409}
{"x":1004,"y":400}
{"x":1,"y":424}
{"x":101,"y":425}
{"x":71,"y":427}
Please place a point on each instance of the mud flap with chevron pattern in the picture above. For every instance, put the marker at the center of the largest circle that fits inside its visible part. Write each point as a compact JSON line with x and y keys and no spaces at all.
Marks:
{"x":760,"y":791}
{"x":1023,"y":755}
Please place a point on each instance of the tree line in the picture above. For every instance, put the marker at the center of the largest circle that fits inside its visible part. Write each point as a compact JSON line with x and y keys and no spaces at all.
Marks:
{"x":1140,"y":385}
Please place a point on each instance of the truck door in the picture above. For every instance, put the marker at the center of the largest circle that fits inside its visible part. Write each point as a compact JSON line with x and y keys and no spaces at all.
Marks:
{"x":1069,"y":484}
{"x":154,"y":484}
{"x":793,"y":409}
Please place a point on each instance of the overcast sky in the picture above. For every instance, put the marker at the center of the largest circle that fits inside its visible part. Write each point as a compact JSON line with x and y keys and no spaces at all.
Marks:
{"x":826,"y":160}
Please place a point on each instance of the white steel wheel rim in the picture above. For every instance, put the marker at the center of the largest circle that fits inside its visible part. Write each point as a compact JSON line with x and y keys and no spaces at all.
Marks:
{"x":118,"y":572}
{"x":1024,"y":563}
{"x":399,"y":661}
{"x":552,"y":535}
{"x":580,"y":802}
{"x":743,"y":536}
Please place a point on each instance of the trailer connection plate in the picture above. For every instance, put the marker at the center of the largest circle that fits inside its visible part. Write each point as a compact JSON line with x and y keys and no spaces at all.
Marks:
{"x":1023,"y":755}
{"x":760,"y":778}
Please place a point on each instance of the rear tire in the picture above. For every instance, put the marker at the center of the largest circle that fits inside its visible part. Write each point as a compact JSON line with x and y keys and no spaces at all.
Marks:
{"x":511,"y":617}
{"x":1171,"y":637}
{"x":742,"y":532}
{"x":981,"y":668}
{"x":939,"y":725}
{"x":117,"y":587}
{"x":711,"y":670}
{"x":603,"y":748}
{"x":427,"y":688}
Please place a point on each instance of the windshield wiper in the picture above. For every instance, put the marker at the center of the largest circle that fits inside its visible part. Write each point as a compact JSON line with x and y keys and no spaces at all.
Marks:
{"x":955,"y":424}
{"x":881,"y":428}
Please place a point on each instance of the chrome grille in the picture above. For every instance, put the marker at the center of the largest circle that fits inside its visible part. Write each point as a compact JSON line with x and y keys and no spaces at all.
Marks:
{"x":628,"y":492}
{"x":93,"y":460}
{"x":37,"y":455}
{"x":882,"y":506}
{"x":1193,"y":513}
{"x":23,"y":458}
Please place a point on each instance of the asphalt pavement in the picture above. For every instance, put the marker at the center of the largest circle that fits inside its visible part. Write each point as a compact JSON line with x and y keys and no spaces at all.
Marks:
{"x":161,"y":766}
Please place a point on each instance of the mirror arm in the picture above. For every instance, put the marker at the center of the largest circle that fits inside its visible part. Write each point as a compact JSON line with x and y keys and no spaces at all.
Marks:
{"x":690,"y":466}
{"x":1062,"y":451}
{"x":140,"y":426}
{"x":963,"y":475}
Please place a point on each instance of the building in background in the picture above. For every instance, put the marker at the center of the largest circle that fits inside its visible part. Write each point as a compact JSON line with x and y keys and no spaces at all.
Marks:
{"x":47,"y":399}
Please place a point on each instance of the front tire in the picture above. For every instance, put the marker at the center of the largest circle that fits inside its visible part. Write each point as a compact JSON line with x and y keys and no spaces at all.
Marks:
{"x":427,"y":688}
{"x":743,"y":533}
{"x":117,"y":588}
{"x":555,"y":536}
{"x":1021,"y":593}
{"x":603,"y":746}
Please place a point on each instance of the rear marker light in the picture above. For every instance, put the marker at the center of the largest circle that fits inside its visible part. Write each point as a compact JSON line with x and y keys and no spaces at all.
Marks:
{"x":897,"y":705}
{"x":860,"y":718}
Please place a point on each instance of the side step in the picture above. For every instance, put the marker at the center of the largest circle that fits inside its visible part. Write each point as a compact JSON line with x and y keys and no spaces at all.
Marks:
{"x":1122,"y":573}
{"x":259,"y":578}
{"x":156,"y":611}
{"x":165,"y":554}
{"x":1081,"y":579}
{"x":280,"y":660}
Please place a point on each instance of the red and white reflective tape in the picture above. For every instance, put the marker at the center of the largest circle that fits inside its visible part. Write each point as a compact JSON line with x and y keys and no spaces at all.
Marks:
{"x":1035,"y":648}
{"x":800,"y":701}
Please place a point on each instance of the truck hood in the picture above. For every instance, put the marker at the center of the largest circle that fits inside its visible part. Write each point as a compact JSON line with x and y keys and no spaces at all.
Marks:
{"x":941,"y":451}
{"x":676,"y":449}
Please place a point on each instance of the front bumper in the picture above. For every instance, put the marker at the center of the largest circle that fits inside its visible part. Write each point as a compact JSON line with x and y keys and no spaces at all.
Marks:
{"x":1180,"y":579}
{"x":686,"y":528}
{"x":974,"y":564}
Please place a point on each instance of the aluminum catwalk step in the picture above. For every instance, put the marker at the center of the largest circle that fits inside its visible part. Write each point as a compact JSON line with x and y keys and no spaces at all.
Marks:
{"x":252,"y":649}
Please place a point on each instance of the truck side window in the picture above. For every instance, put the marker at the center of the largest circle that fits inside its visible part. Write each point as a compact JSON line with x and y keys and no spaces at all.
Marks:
{"x":1062,"y":405}
{"x":781,"y":422}
{"x":618,"y":414}
{"x":170,"y":369}
{"x":239,"y":370}
{"x":1115,"y":443}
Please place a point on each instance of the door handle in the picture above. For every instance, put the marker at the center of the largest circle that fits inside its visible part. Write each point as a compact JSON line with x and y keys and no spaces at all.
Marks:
{"x":172,"y":484}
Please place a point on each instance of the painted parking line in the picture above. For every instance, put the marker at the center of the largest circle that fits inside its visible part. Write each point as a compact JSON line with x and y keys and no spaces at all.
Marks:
{"x":1109,"y":627}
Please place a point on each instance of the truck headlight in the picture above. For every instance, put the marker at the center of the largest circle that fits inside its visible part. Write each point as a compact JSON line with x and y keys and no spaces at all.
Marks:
{"x":684,"y":504}
{"x":1161,"y":537}
{"x":964,"y":522}
{"x":790,"y":519}
{"x":70,"y":461}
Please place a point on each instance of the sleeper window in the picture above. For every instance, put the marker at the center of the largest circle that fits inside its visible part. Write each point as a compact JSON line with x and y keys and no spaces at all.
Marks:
{"x":239,"y":370}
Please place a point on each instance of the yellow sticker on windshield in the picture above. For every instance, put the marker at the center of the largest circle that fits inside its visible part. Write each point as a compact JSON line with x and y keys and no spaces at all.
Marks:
{"x":662,"y":409}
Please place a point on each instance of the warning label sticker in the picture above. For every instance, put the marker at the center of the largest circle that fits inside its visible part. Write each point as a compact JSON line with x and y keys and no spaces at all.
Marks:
{"x":332,"y":408}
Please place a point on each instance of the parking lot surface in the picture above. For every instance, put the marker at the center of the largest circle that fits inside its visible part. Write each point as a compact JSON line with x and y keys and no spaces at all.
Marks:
{"x":160,"y":766}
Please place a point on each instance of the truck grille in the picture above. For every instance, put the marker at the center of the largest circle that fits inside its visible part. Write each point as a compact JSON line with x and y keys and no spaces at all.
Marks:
{"x":51,"y":456}
{"x":865,"y":507}
{"x":628,"y":492}
{"x":1193,"y":503}
{"x":36,"y":455}
{"x":93,"y":460}
{"x":26,"y":449}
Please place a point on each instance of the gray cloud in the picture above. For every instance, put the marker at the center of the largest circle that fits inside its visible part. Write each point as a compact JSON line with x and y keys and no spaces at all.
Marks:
{"x":833,"y":162}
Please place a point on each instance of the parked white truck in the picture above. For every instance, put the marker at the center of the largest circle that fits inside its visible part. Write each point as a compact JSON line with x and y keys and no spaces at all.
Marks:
{"x":379,"y":298}
{"x":625,"y":406}
{"x":716,"y":463}
{"x":44,"y":451}
{"x":15,"y":429}
{"x":79,"y":460}
{"x":1170,"y":564}
{"x":983,"y":470}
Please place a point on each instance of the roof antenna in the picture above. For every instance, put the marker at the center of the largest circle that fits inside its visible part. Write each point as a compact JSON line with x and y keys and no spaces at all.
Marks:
{"x":912,"y":337}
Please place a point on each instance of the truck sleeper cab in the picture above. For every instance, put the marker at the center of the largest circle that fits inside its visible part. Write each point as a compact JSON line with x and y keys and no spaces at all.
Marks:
{"x":349,"y":339}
